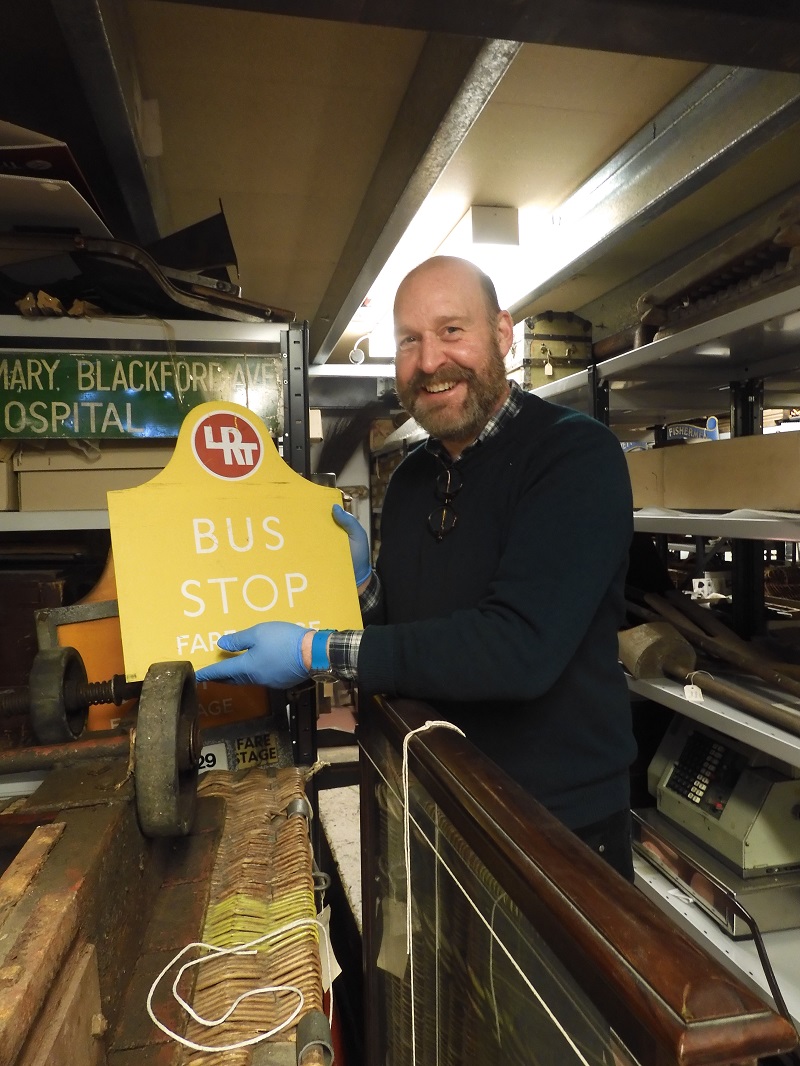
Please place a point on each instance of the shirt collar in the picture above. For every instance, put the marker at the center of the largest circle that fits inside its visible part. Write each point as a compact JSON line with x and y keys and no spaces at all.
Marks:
{"x":499,"y":420}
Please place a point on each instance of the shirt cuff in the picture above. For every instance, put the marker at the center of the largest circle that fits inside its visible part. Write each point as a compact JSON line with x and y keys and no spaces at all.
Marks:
{"x":343,"y":652}
{"x":370,"y":597}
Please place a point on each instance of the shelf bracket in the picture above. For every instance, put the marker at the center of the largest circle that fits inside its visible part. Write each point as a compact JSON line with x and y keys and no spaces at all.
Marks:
{"x":747,"y":571}
{"x":747,"y":407}
{"x":598,"y":390}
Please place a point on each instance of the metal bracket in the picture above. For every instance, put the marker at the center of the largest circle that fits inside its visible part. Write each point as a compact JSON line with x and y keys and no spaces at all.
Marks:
{"x":48,"y":619}
{"x":599,"y":395}
{"x":296,"y":443}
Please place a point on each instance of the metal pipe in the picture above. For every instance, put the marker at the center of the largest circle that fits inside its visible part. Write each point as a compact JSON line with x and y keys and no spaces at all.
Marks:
{"x":46,"y":756}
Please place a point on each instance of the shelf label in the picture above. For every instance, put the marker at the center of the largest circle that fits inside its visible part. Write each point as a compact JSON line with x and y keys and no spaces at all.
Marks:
{"x":214,"y":757}
{"x":258,"y":750}
{"x":693,"y":693}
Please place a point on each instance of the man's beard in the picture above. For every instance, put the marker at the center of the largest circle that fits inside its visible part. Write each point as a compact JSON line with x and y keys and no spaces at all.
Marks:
{"x":484,"y":390}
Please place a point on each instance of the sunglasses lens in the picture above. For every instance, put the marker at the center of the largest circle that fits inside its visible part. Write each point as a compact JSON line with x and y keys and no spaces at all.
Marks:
{"x":442,"y":521}
{"x":449,"y":518}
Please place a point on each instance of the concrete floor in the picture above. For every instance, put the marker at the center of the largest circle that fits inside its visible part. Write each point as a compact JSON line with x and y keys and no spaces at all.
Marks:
{"x":339,"y":815}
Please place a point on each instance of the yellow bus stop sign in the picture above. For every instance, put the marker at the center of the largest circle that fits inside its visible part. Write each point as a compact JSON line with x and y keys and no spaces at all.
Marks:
{"x":226,"y":536}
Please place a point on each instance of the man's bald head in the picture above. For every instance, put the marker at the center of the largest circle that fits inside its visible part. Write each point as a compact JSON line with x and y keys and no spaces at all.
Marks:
{"x":461,"y":269}
{"x":451,"y":339}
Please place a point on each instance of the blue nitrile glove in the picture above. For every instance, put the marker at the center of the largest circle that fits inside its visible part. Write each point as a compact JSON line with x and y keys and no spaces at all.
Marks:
{"x":359,"y":543}
{"x":271,"y":656}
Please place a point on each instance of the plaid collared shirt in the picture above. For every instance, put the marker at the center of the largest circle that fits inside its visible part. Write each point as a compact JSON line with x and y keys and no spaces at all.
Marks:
{"x":494,"y":426}
{"x":344,"y":644}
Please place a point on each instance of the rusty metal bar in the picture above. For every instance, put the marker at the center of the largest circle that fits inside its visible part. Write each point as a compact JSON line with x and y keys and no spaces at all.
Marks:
{"x":46,"y":756}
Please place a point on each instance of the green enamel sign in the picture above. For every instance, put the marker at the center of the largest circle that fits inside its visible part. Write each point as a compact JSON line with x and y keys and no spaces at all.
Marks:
{"x":90,"y":395}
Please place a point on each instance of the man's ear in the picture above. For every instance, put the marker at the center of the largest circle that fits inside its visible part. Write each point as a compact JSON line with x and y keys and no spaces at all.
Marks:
{"x":505,"y":332}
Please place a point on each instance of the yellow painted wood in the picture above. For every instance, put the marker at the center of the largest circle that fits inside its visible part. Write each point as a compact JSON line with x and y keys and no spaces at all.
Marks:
{"x":199,"y":551}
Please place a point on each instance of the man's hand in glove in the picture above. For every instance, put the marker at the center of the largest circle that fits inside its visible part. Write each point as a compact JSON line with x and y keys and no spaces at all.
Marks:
{"x":272,"y":655}
{"x":359,"y":544}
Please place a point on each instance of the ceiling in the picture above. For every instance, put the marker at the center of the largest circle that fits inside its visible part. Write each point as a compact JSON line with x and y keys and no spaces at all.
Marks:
{"x":630,"y":134}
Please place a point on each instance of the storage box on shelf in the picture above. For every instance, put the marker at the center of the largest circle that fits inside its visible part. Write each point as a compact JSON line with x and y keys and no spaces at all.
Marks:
{"x":757,"y":472}
{"x":57,"y":475}
{"x":379,"y":430}
{"x":549,"y":346}
{"x":685,"y":375}
{"x":8,"y":478}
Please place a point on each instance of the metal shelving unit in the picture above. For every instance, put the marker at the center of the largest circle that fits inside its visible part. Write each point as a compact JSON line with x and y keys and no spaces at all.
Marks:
{"x":738,"y":956}
{"x":195,"y":342}
{"x":737,"y":525}
{"x":734,"y":362}
{"x":734,"y":723}
{"x":681,"y":376}
{"x":52,"y":521}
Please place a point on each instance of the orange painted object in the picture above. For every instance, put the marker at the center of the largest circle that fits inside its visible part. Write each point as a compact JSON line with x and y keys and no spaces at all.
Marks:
{"x":99,"y":643}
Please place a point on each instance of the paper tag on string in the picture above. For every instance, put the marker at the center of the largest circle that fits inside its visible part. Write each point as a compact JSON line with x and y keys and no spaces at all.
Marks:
{"x":329,"y":973}
{"x":693,"y":693}
{"x":393,"y":956}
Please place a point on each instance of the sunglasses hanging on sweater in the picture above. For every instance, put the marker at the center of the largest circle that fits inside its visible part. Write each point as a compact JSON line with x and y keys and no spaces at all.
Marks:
{"x":442,"y":519}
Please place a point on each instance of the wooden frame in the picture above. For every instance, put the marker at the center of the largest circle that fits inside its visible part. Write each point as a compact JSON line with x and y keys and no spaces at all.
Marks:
{"x":666,"y":999}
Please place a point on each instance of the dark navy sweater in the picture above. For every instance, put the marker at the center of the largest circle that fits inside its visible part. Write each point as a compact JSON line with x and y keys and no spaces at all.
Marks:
{"x":508,"y":626}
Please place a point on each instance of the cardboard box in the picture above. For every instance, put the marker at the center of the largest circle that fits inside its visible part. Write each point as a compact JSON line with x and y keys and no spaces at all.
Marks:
{"x":379,"y":430}
{"x":8,"y":477}
{"x":61,"y":477}
{"x":315,"y":425}
{"x":646,"y":469}
{"x":760,"y":472}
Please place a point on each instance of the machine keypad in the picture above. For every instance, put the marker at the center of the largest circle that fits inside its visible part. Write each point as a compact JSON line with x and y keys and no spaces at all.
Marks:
{"x":696,"y":768}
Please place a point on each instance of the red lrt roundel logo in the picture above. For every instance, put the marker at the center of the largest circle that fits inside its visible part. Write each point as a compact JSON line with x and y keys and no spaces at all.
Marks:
{"x":227,"y":445}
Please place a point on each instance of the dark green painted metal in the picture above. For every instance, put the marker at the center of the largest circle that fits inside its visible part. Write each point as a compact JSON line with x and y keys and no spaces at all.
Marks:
{"x":112,"y":395}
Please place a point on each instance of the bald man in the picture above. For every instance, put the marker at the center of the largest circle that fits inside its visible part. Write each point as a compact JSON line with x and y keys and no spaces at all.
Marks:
{"x":499,"y":588}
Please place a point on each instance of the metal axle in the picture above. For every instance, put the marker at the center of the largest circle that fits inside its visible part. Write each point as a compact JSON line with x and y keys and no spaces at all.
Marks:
{"x":76,"y":697}
{"x":97,"y":746}
{"x":46,"y":756}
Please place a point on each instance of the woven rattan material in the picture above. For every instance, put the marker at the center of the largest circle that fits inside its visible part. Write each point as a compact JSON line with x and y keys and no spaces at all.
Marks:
{"x":261,"y":881}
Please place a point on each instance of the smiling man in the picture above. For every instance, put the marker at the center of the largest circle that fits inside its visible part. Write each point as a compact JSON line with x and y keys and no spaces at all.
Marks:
{"x":451,"y":341}
{"x":499,"y":588}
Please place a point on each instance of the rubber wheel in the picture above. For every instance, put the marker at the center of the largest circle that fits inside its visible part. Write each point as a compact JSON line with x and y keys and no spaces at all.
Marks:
{"x":166,"y":755}
{"x":55,"y":676}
